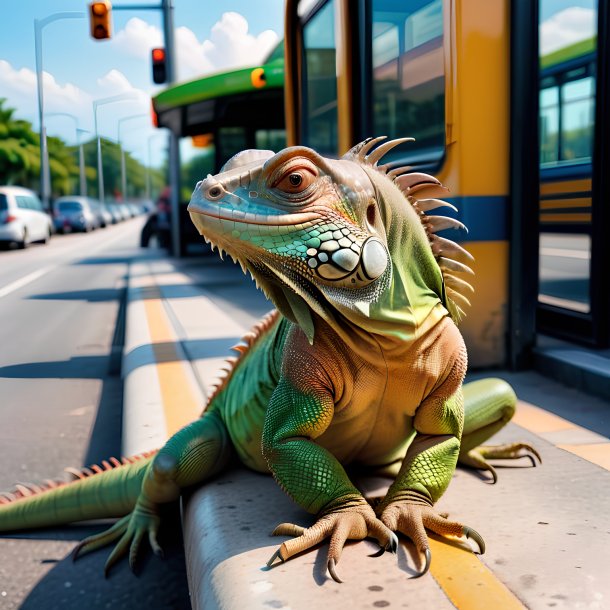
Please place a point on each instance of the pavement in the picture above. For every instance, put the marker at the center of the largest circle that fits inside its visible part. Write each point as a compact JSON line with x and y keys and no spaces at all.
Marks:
{"x":546,"y":528}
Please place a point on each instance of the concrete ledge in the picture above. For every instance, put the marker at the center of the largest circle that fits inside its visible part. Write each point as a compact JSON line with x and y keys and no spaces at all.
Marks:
{"x":227,"y":526}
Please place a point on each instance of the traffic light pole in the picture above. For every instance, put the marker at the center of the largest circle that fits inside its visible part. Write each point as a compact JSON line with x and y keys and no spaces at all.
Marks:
{"x":167,"y":8}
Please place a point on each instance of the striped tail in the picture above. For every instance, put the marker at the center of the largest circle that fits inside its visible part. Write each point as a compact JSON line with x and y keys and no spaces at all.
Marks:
{"x":98,"y":492}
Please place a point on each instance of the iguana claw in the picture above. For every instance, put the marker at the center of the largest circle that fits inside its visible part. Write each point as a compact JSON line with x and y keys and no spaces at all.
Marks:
{"x":428,"y":556}
{"x":470,"y":533}
{"x":332,"y":571}
{"x":391,"y":546}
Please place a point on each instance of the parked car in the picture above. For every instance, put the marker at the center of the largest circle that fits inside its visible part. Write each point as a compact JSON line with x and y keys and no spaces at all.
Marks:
{"x":104,"y":217}
{"x":22,"y":217}
{"x":114,"y":210}
{"x":74,"y":214}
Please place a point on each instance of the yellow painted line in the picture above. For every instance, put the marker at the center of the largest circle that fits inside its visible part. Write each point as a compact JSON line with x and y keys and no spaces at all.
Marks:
{"x":596,"y":453}
{"x":467,"y":581}
{"x":550,"y":204}
{"x":539,"y":422}
{"x":181,"y":405}
{"x":565,"y":186}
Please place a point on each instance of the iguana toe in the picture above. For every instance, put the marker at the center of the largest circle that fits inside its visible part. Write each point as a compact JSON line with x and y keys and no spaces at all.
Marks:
{"x":354,"y":523}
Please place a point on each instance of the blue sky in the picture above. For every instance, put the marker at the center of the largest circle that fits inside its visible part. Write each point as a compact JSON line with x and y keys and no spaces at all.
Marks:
{"x":211,"y":36}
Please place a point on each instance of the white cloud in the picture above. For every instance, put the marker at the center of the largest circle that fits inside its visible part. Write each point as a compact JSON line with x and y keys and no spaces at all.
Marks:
{"x":138,"y":38}
{"x":567,"y":27}
{"x":230,"y":45}
{"x":19,"y":87}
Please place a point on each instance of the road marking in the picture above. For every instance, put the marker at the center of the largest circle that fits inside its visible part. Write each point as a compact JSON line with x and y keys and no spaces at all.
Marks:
{"x":24,"y":281}
{"x":551,"y":427}
{"x":181,"y":404}
{"x":466,"y":580}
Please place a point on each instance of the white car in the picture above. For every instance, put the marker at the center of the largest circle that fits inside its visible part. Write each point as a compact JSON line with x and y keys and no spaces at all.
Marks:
{"x":22,"y":217}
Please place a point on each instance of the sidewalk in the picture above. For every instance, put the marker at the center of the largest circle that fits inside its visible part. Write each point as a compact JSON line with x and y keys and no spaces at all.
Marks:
{"x":545,"y":528}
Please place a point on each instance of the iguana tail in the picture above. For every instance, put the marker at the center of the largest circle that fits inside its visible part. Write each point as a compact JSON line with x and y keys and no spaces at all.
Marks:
{"x":98,"y":492}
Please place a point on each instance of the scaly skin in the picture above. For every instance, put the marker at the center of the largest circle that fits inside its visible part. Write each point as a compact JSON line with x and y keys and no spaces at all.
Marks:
{"x":362,"y":362}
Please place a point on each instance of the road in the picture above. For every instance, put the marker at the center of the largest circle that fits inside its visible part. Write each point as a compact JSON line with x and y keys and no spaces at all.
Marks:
{"x":60,"y":405}
{"x":564,"y":270}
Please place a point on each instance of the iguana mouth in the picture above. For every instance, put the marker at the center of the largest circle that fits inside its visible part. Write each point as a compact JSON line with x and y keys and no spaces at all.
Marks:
{"x":269,"y":220}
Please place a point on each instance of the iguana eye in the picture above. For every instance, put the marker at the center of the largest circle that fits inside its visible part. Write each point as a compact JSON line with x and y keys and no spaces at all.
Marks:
{"x":295,"y":181}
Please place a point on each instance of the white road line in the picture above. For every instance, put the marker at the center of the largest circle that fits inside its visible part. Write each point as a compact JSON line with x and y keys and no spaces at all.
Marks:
{"x":25,"y":280}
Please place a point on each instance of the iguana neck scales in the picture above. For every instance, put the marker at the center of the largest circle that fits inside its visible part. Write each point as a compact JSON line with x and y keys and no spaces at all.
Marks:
{"x":361,"y":363}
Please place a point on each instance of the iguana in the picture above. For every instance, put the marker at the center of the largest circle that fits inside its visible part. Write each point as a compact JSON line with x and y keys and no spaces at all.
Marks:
{"x":361,"y":363}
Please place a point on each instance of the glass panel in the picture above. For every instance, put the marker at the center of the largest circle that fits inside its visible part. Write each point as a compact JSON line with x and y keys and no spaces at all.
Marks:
{"x":70,"y":206}
{"x":578,"y":115}
{"x":195,"y":164}
{"x":408,"y":82}
{"x":549,"y":125}
{"x":230,"y":141}
{"x":320,"y":112}
{"x":270,"y":139}
{"x":23,"y":202}
{"x":3,"y":203}
{"x":568,"y":46}
{"x":564,"y":271}
{"x":36,"y":204}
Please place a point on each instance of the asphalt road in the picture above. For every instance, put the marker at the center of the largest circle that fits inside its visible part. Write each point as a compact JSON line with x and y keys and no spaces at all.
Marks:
{"x":60,"y":405}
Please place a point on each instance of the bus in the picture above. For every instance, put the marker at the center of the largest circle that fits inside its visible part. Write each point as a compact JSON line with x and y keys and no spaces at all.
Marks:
{"x":217,"y":116}
{"x":466,"y":80}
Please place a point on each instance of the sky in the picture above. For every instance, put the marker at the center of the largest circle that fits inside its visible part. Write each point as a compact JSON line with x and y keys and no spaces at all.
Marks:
{"x":210,"y":37}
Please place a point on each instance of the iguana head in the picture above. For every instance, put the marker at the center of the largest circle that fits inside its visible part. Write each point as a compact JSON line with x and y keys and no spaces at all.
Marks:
{"x":330,"y":236}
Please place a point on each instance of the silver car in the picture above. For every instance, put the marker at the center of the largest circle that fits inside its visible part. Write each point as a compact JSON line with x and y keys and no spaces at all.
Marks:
{"x":22,"y":217}
{"x":74,"y":214}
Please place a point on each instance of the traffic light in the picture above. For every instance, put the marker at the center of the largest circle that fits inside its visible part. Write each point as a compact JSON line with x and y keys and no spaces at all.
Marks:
{"x":159,"y":71}
{"x":99,"y":18}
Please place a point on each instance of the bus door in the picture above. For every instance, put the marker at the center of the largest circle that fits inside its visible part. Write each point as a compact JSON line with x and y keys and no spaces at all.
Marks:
{"x":573,"y":279}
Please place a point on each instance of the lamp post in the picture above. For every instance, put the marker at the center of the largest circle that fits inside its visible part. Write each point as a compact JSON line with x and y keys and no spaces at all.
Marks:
{"x":39,"y":24}
{"x":81,"y":153}
{"x":123,"y":169}
{"x":128,"y":95}
{"x":81,"y":163}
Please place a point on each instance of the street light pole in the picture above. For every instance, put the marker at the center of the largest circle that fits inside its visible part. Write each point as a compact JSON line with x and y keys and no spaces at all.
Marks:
{"x":45,"y":175}
{"x":96,"y":104}
{"x":81,"y":163}
{"x":123,"y":168}
{"x":81,"y":153}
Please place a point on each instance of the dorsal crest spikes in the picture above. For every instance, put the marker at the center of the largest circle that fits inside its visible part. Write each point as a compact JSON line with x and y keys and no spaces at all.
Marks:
{"x":422,"y":191}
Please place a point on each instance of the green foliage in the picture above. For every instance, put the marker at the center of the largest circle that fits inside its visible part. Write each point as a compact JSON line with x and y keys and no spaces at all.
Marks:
{"x":20,"y":162}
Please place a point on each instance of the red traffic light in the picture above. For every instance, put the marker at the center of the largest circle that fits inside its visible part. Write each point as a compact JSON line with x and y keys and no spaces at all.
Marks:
{"x":159,"y":69}
{"x":158,"y":54}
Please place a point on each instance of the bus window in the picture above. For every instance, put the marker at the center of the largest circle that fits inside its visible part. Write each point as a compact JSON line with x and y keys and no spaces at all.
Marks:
{"x":577,"y":109}
{"x":320,"y":84}
{"x":408,"y":85}
{"x":270,"y":139}
{"x":549,"y":125}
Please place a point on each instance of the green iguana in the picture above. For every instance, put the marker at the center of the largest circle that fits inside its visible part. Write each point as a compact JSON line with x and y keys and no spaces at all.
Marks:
{"x":360,"y":364}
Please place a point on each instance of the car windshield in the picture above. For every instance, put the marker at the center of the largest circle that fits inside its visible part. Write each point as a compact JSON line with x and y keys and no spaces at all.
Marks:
{"x":3,"y":203}
{"x":70,"y":206}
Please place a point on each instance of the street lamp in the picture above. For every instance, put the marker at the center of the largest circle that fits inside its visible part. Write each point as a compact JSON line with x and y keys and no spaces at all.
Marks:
{"x":81,"y":153}
{"x":149,"y":165}
{"x":123,"y":170}
{"x":128,"y":95}
{"x":39,"y":24}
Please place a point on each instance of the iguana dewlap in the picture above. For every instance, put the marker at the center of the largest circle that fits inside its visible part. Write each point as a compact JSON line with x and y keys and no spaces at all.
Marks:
{"x":361,"y":363}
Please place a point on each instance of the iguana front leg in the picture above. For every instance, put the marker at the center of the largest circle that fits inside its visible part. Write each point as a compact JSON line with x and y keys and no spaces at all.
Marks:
{"x":427,"y":469}
{"x":298,"y":413}
{"x":193,"y":454}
